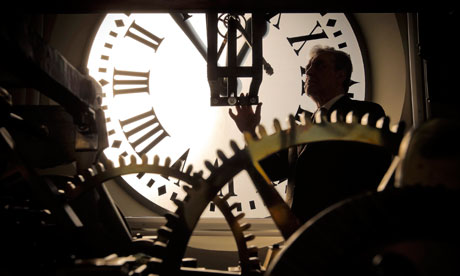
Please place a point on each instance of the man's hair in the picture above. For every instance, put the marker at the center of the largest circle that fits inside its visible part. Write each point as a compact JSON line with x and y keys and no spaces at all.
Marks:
{"x":342,"y":61}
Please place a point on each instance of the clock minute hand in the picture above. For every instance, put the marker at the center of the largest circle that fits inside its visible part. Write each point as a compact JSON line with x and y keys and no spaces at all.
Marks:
{"x":189,"y":31}
{"x":244,"y":49}
{"x":191,"y":34}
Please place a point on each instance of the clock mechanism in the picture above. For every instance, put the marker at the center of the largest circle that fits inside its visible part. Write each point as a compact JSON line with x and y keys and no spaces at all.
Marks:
{"x":72,"y":226}
{"x":167,"y":79}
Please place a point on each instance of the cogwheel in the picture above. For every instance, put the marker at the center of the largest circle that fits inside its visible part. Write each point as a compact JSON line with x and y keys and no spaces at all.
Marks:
{"x":93,"y":177}
{"x":100,"y":173}
{"x":249,"y":262}
{"x":180,"y":226}
{"x":380,"y":233}
{"x":352,"y":129}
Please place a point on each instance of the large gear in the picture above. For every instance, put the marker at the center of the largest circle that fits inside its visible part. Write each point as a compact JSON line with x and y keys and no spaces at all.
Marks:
{"x":93,"y":177}
{"x":168,"y":249}
{"x":101,"y":173}
{"x":180,"y":226}
{"x":399,"y":231}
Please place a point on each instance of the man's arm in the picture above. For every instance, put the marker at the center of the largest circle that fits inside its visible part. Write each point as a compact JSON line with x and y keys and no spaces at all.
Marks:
{"x":247,"y":119}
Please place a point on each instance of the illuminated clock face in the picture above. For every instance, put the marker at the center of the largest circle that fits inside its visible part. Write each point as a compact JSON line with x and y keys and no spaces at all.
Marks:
{"x":156,"y":96}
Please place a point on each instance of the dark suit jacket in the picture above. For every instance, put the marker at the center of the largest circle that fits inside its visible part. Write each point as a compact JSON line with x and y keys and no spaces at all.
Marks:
{"x":327,"y":172}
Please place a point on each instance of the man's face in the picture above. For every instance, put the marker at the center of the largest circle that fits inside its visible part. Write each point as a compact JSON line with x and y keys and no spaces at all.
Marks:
{"x":322,"y":79}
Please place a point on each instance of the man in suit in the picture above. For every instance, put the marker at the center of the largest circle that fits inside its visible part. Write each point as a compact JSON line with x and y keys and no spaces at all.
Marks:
{"x":323,"y":173}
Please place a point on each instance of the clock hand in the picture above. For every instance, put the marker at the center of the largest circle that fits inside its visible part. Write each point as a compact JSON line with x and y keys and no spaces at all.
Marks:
{"x":188,"y":30}
{"x":190,"y":33}
{"x":243,"y":52}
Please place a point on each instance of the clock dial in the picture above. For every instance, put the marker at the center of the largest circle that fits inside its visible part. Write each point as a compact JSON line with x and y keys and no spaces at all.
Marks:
{"x":156,"y":93}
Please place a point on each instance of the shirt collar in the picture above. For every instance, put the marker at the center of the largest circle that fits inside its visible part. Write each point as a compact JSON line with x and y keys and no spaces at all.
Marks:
{"x":332,"y":101}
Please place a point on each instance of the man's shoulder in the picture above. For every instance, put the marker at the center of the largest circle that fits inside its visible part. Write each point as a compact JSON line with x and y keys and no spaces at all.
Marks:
{"x":366,"y":105}
{"x":359,"y":108}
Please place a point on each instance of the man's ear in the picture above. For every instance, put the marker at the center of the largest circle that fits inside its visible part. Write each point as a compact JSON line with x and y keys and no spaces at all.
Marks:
{"x":340,"y":75}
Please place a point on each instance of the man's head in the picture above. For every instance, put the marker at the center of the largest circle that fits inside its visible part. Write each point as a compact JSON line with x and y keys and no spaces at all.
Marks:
{"x":328,"y":74}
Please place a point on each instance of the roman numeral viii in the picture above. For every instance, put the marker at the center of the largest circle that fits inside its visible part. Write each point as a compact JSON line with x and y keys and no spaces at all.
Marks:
{"x":149,"y":120}
{"x":130,"y":82}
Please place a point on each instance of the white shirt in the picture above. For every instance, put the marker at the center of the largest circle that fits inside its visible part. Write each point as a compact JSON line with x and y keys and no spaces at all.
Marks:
{"x":329,"y":104}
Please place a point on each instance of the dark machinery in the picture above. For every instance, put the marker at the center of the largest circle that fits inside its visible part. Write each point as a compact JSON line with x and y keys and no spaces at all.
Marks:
{"x":69,"y":225}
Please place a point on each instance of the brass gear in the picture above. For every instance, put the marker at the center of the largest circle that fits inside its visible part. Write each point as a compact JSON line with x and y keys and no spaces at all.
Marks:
{"x":399,"y":231}
{"x":248,"y":255}
{"x":178,"y":229}
{"x":100,"y":173}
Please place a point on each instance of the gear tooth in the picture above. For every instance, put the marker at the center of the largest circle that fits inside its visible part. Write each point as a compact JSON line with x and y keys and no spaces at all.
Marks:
{"x":234,"y":206}
{"x":109,"y":163}
{"x":198,"y":174}
{"x":179,"y":203}
{"x":144,"y":159}
{"x":121,"y":161}
{"x":383,"y":123}
{"x":133,"y":159}
{"x":90,"y":172}
{"x":248,"y":137}
{"x":303,"y":119}
{"x":254,"y":263}
{"x":221,"y":155}
{"x":159,"y":246}
{"x":189,"y":169}
{"x":249,"y":237}
{"x":262,"y":131}
{"x":168,"y":162}
{"x":292,"y":122}
{"x":234,"y":146}
{"x":226,"y":197}
{"x":172,"y":217}
{"x":154,"y":264}
{"x":80,"y":178}
{"x":350,"y":117}
{"x":365,"y":119}
{"x":100,"y":167}
{"x":156,"y":160}
{"x":71,"y":185}
{"x":186,"y":188}
{"x":318,"y":118}
{"x":254,"y":260}
{"x":209,"y":165}
{"x":186,"y":198}
{"x":394,"y":128}
{"x":240,"y":216}
{"x":172,"y":220}
{"x":245,"y":226}
{"x":277,"y":125}
{"x":334,"y":116}
{"x":164,"y":231}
